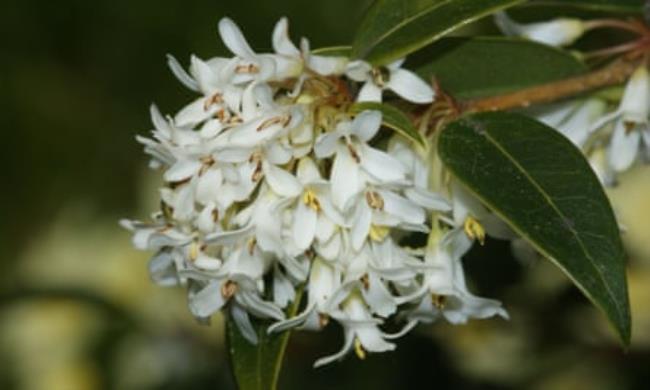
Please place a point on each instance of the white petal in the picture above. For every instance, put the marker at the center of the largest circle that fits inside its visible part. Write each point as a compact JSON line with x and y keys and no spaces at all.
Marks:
{"x":207,"y":263}
{"x":181,"y":74}
{"x":326,"y":144}
{"x":193,"y":113}
{"x":636,"y":98}
{"x":381,"y":165}
{"x":240,"y":316}
{"x":410,"y":87}
{"x":234,"y":39}
{"x":401,"y":207}
{"x":369,"y":92}
{"x":307,"y":171}
{"x":281,"y":182}
{"x":372,"y":340}
{"x":161,"y":124}
{"x":358,"y":70}
{"x":624,"y":147}
{"x":344,"y":178}
{"x":347,"y":346}
{"x":283,"y":291}
{"x":230,"y":237}
{"x":378,"y":297}
{"x":182,"y":170}
{"x":427,"y":199}
{"x":361,"y":225}
{"x":281,"y":42}
{"x":304,"y":225}
{"x":208,"y":186}
{"x":207,"y":301}
{"x":162,"y":270}
{"x":325,"y":65}
{"x":366,"y":125}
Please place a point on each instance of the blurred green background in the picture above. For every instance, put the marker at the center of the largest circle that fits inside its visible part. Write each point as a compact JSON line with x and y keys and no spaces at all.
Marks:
{"x":77,"y":309}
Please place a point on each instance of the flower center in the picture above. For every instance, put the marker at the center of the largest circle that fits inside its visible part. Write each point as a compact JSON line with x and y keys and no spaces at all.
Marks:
{"x":310,"y":199}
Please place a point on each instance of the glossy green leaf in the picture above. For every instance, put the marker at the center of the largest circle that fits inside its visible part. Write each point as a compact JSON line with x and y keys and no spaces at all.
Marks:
{"x":257,"y":367}
{"x":624,"y":6}
{"x":393,"y":118}
{"x":487,"y":66}
{"x":391,"y":29}
{"x":543,"y":187}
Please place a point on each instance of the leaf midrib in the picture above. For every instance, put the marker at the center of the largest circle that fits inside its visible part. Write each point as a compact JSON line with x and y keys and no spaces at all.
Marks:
{"x":561,"y":214}
{"x":404,"y":22}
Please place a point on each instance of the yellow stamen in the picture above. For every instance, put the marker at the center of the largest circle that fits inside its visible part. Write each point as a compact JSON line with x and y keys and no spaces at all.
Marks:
{"x":378,"y":233}
{"x":310,"y":199}
{"x":474,"y":229}
{"x":194,"y":250}
{"x":358,"y":349}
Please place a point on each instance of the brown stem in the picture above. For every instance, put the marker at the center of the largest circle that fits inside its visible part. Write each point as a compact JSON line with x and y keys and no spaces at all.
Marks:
{"x":613,"y":74}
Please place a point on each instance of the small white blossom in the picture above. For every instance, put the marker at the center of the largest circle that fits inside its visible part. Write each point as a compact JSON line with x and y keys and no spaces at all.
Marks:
{"x":557,"y":32}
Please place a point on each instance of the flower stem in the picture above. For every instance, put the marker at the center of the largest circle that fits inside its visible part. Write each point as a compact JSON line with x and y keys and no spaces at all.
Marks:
{"x":613,"y":74}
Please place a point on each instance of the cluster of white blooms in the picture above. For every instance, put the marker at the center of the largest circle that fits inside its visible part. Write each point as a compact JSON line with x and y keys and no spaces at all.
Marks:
{"x":613,"y":140}
{"x":271,"y":184}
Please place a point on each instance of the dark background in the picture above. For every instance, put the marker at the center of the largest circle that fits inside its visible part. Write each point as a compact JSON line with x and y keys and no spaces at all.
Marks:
{"x":77,"y":310}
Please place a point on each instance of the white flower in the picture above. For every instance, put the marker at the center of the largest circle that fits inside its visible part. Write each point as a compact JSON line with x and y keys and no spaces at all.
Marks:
{"x":557,"y":32}
{"x":294,"y":59}
{"x":445,"y":292}
{"x":631,"y":122}
{"x":361,"y":331}
{"x":349,"y":141}
{"x":404,"y":83}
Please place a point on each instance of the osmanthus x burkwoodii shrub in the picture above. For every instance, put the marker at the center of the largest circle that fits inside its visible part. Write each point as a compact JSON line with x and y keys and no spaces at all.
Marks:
{"x":293,"y":182}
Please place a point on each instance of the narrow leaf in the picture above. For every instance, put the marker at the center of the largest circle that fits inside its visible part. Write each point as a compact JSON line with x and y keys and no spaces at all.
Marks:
{"x":257,"y":367}
{"x":393,"y":118}
{"x":541,"y":185}
{"x":391,"y":29}
{"x":486,"y":66}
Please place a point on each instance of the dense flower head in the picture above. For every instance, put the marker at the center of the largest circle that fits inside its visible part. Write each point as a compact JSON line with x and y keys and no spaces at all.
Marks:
{"x":272,"y":185}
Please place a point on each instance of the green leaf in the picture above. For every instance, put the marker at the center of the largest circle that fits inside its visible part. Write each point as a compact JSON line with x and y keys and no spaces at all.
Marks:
{"x":543,"y":187}
{"x":487,"y":66}
{"x":333,"y":51}
{"x":257,"y":367}
{"x":622,"y":6}
{"x":391,"y":29}
{"x":393,"y":118}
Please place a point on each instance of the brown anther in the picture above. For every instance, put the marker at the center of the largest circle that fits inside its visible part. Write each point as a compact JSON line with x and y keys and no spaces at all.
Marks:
{"x":217,"y":98}
{"x":629,"y":126}
{"x":354,"y":153}
{"x":323,"y":320}
{"x":438,"y":301}
{"x":167,"y":210}
{"x":251,"y":246}
{"x":380,"y":76}
{"x":228,"y":289}
{"x":365,"y":281}
{"x":257,"y":173}
{"x":375,"y":201}
{"x":222,"y":115}
{"x":215,"y":215}
{"x":250,"y":68}
{"x":276,"y":120}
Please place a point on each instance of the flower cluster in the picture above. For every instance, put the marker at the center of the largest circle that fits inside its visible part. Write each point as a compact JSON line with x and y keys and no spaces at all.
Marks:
{"x":271,"y":185}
